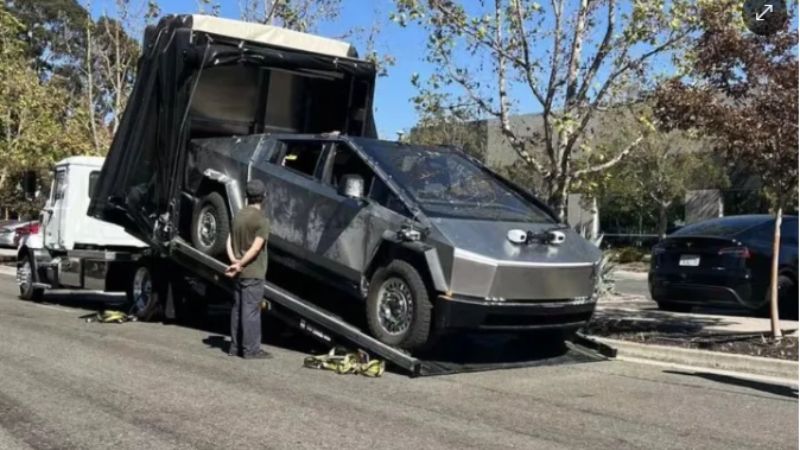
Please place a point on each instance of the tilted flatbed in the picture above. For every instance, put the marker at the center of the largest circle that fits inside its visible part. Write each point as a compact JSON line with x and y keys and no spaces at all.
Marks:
{"x":330,"y":329}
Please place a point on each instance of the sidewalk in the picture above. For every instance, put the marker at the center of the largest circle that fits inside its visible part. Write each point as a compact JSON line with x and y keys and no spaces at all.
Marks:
{"x":711,"y":339}
{"x":635,"y":308}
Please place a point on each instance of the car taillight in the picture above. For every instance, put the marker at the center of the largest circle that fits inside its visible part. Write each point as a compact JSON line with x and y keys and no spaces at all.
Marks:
{"x":740,"y":252}
{"x":32,"y":228}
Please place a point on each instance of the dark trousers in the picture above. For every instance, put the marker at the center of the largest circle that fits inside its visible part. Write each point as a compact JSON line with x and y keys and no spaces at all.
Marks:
{"x":246,"y":317}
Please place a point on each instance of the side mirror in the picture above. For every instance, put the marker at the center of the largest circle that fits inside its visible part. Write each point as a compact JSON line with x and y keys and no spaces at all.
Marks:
{"x":29,"y":184}
{"x":352,"y":186}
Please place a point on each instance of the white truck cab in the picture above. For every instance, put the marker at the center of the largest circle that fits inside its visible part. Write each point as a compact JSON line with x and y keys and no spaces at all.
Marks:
{"x":65,"y":224}
{"x":75,"y":251}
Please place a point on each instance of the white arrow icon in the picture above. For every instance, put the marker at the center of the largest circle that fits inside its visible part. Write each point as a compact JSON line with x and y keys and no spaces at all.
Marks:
{"x":767,"y":9}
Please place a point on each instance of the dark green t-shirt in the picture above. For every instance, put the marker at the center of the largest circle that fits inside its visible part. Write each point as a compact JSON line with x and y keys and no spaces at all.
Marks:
{"x":247,"y":225}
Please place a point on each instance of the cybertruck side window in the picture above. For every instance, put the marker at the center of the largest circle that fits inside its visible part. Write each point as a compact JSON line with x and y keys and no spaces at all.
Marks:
{"x":299,"y":156}
{"x":381,"y":193}
{"x":347,"y":162}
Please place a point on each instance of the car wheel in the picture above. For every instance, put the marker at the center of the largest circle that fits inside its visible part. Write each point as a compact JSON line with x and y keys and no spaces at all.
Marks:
{"x":210,"y":225}
{"x":674,"y":307}
{"x":25,"y":278}
{"x":398,"y":307}
{"x":144,"y":294}
{"x":787,"y":298}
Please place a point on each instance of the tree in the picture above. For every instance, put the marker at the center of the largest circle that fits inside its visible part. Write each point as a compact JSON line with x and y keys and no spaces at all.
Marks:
{"x":454,"y":126}
{"x":661,"y":172}
{"x":566,"y":58}
{"x":36,"y":128}
{"x":741,"y":89}
{"x":53,"y":33}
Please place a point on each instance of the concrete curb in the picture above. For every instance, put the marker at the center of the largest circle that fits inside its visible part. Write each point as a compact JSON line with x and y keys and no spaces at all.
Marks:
{"x":9,"y":271}
{"x":628,"y":275}
{"x":751,"y":365}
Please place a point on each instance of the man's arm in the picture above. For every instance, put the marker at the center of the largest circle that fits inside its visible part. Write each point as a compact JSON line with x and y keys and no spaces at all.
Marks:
{"x":252,"y":252}
{"x":229,"y":248}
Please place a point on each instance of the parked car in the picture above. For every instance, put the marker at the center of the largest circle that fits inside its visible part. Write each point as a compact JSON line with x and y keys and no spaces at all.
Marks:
{"x":725,"y":262}
{"x":12,"y":231}
{"x":7,"y":233}
{"x":426,"y":236}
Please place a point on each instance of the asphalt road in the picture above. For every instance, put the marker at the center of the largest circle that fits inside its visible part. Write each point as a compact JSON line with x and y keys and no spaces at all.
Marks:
{"x":68,"y":384}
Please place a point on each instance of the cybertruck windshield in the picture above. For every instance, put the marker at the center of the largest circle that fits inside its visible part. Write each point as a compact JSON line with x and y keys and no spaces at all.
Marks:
{"x":446,"y":184}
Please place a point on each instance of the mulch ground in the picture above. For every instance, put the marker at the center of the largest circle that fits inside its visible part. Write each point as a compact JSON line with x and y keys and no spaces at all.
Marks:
{"x":675,"y":335}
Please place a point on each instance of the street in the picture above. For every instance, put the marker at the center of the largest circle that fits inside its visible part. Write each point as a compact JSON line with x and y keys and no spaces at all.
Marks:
{"x":68,"y":384}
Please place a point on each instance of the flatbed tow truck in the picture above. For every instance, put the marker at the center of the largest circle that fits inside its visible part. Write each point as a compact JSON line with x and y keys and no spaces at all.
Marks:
{"x":204,"y":77}
{"x":76,"y":252}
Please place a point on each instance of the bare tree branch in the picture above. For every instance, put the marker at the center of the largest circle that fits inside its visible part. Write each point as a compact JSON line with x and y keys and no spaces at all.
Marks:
{"x":611,"y":162}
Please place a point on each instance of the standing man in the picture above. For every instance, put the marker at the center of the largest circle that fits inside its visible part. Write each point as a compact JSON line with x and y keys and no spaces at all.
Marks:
{"x":248,"y":254}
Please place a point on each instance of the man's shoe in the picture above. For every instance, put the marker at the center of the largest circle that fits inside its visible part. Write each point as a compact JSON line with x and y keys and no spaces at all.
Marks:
{"x":261,"y":354}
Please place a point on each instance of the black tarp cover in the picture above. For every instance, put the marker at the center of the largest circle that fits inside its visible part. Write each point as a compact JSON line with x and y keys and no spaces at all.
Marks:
{"x":141,"y":179}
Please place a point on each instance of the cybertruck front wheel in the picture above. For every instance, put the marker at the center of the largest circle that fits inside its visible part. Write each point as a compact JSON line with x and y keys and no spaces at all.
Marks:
{"x":398,"y":307}
{"x":210,"y":225}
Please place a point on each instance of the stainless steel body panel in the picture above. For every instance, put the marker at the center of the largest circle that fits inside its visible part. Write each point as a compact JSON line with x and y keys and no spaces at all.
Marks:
{"x":467,"y":258}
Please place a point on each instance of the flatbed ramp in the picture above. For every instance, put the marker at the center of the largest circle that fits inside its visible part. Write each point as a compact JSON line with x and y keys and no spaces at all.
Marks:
{"x":330,"y":329}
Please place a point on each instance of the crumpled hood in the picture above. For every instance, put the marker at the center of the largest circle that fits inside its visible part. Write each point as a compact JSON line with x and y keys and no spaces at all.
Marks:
{"x":489,"y":240}
{"x":485,"y":264}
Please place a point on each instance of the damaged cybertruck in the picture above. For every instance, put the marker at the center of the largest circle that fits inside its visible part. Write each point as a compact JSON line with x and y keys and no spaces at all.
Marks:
{"x":427,"y":237}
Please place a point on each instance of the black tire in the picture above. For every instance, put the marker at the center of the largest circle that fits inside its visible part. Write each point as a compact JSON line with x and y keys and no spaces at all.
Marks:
{"x":25,"y":278}
{"x":675,"y":307}
{"x":402,"y":279}
{"x":145,"y":294}
{"x":210,"y":225}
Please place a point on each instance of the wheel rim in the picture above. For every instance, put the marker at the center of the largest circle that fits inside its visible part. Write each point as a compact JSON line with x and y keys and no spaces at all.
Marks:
{"x":24,"y":277}
{"x":207,"y":227}
{"x":142,"y":290}
{"x":395,"y":306}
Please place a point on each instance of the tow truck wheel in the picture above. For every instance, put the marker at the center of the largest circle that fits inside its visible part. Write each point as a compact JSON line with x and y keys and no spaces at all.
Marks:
{"x":25,"y":280}
{"x":398,"y":307}
{"x":210,"y":225}
{"x":143,"y":295}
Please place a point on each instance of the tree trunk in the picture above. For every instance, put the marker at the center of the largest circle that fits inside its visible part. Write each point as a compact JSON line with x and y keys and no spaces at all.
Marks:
{"x":594,"y":232}
{"x":558,"y":201}
{"x":662,"y":220}
{"x":773,"y":285}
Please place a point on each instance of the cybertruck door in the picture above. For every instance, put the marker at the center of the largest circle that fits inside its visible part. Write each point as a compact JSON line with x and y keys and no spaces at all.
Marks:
{"x":289,"y":176}
{"x":342,"y":232}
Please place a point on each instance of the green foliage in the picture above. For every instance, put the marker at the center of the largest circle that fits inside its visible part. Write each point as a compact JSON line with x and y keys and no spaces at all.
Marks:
{"x":627,"y":255}
{"x":741,"y":89}
{"x":37,"y":125}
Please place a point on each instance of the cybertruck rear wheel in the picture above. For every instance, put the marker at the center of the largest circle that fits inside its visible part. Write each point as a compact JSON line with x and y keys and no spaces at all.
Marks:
{"x":210,"y":225}
{"x":398,"y":307}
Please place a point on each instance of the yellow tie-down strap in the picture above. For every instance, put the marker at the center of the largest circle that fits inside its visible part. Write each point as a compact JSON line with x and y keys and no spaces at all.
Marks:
{"x":342,"y":363}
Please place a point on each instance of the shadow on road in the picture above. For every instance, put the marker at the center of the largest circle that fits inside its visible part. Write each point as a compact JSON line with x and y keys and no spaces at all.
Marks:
{"x":616,"y":320}
{"x":777,"y":389}
{"x":477,"y":351}
{"x":90,"y":301}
